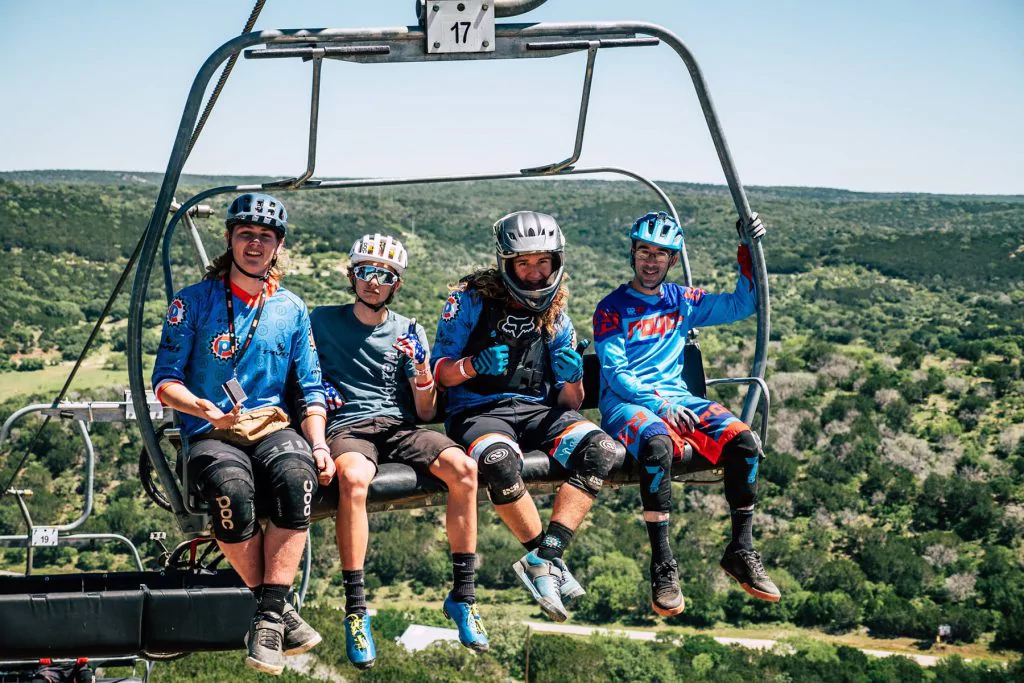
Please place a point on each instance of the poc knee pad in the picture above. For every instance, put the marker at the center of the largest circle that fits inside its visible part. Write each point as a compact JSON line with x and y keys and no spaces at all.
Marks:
{"x":740,"y":458}
{"x":293,"y":483}
{"x":592,"y":460}
{"x":228,"y":490}
{"x":499,"y":466}
{"x":656,"y":473}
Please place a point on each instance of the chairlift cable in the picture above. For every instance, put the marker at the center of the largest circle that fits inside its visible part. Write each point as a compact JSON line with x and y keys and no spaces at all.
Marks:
{"x":81,"y":358}
{"x":223,"y":79}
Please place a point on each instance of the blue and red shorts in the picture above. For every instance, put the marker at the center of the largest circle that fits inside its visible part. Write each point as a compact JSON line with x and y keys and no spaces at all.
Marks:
{"x":627,"y":422}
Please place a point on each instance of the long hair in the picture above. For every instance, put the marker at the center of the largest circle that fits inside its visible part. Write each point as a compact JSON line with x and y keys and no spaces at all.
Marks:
{"x":490,"y":285}
{"x":221,"y":266}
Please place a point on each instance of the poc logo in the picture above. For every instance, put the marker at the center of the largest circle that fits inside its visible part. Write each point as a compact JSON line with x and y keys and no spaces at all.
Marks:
{"x":307,"y":497}
{"x":224,"y":503}
{"x":495,"y":456}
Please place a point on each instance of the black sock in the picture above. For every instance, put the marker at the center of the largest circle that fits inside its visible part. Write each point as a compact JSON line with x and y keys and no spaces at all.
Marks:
{"x":742,"y":527}
{"x":463,"y":569}
{"x":355,"y":596}
{"x":272,"y":597}
{"x":534,"y":543}
{"x":661,"y":551}
{"x":555,"y":541}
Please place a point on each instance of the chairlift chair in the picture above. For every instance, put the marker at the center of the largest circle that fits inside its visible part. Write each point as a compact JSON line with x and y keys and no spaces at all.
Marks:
{"x":447,"y":30}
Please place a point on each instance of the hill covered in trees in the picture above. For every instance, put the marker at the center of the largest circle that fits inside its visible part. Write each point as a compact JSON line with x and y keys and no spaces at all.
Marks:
{"x":892,"y":497}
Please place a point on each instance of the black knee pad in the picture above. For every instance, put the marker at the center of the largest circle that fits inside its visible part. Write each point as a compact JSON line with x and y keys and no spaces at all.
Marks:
{"x":740,"y":459}
{"x":228,"y":490}
{"x":592,"y":461}
{"x":656,"y":473}
{"x":499,"y":467}
{"x":292,"y":479}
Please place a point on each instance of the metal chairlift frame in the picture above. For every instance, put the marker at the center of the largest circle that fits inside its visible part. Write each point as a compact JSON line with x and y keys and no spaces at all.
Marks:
{"x":408,"y":44}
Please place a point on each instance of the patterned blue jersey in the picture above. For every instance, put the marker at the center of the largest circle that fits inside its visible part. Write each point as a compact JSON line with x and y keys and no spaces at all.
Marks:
{"x":461,"y":312}
{"x":195,"y":349}
{"x":639,"y":339}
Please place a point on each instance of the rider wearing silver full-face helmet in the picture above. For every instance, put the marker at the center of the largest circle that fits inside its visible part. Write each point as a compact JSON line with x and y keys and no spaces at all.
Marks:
{"x":505,"y":350}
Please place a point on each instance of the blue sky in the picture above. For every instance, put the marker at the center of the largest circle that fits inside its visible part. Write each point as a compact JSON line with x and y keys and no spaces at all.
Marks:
{"x":870,"y":95}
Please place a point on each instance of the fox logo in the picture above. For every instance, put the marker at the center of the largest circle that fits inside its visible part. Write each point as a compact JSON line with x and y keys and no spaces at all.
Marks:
{"x":652,"y":327}
{"x":516,"y":327}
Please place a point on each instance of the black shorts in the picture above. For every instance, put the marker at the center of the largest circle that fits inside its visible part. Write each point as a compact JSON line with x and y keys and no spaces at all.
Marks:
{"x":259,"y":460}
{"x":555,"y":430}
{"x":390,"y":439}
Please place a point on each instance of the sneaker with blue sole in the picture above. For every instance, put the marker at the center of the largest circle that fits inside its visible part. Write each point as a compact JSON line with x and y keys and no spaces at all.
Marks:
{"x":359,"y":644}
{"x":542,"y":579}
{"x":467,"y":619}
{"x":568,"y":588}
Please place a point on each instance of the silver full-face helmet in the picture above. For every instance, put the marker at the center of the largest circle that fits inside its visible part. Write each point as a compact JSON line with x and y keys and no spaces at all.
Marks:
{"x":529,"y":232}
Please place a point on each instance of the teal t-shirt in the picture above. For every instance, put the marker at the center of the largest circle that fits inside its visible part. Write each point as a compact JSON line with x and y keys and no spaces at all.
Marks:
{"x":369,"y":374}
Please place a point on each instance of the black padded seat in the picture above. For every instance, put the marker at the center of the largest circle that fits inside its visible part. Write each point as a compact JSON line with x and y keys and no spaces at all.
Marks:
{"x":122,"y":613}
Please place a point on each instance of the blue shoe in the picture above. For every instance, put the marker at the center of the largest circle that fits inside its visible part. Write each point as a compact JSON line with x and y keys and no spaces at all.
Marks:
{"x":359,"y":641}
{"x":467,"y":618}
{"x":542,"y":578}
{"x":569,"y":588}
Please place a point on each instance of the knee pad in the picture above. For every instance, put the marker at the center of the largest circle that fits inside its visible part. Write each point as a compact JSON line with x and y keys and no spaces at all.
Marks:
{"x":656,"y":473}
{"x":228,"y":490}
{"x":740,"y":459}
{"x":592,"y":462}
{"x":292,"y":485}
{"x":499,"y":466}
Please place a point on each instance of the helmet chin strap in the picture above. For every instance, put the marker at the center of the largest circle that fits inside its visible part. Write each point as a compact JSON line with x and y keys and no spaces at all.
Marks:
{"x":376,"y":307}
{"x":254,"y":276}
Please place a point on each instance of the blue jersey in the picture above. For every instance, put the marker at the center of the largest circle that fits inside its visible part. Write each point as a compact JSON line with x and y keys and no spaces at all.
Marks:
{"x":639,"y":339}
{"x":461,"y":313}
{"x":195,"y":349}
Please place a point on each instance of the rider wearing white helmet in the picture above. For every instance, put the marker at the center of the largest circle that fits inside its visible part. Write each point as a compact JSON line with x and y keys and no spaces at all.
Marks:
{"x":378,"y":384}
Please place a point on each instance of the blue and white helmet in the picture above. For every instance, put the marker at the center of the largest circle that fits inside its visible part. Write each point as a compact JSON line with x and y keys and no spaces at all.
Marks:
{"x":258,"y":209}
{"x":658,"y":228}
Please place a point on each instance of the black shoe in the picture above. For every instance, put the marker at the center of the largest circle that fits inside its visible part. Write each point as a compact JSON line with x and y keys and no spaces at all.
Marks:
{"x":746,"y":568}
{"x":666,"y":597}
{"x":265,"y":641}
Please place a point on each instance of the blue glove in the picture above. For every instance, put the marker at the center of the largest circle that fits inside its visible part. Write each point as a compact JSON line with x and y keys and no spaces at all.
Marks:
{"x":491,"y":361}
{"x":410,"y":344}
{"x":567,"y":364}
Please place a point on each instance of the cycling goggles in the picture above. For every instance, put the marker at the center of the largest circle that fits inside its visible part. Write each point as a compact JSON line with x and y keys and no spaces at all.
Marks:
{"x":368,"y":272}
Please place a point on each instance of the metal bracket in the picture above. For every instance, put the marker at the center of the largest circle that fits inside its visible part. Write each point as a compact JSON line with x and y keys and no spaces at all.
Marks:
{"x":314,"y":114}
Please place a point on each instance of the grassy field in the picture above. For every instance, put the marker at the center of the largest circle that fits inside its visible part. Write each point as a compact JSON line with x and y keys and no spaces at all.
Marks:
{"x":50,"y":379}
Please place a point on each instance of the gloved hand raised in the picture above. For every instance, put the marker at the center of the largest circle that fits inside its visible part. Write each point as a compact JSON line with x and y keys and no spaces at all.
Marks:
{"x":410,"y":344}
{"x":567,"y":364}
{"x":681,"y":419}
{"x":335,"y":401}
{"x":755,"y":228}
{"x":492,"y":360}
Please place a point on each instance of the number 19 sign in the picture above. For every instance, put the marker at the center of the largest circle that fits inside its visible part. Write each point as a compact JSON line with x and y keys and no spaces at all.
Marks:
{"x":460,"y":26}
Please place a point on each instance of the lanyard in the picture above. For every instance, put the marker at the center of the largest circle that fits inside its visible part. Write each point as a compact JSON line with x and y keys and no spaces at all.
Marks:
{"x":236,"y":353}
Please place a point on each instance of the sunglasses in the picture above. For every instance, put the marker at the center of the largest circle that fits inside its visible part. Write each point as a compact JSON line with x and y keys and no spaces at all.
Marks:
{"x":383,"y":275}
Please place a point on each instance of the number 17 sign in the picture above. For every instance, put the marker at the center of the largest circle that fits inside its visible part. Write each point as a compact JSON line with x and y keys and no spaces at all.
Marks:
{"x":460,"y":26}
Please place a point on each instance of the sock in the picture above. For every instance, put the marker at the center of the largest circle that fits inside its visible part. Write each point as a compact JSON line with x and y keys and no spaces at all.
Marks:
{"x":555,"y":541}
{"x":534,"y":543}
{"x":660,"y":549}
{"x":463,"y":568}
{"x":742,"y":528}
{"x":272,"y":597}
{"x":355,"y":597}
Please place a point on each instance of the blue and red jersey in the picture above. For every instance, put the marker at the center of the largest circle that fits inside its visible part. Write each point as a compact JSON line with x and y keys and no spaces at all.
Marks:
{"x":639,"y":338}
{"x":195,"y":349}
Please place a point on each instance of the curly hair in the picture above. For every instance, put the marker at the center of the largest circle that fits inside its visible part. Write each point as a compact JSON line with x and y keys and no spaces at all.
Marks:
{"x":490,"y":285}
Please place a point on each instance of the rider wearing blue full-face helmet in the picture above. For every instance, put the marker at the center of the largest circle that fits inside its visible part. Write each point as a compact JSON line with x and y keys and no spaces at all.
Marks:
{"x":640,"y":331}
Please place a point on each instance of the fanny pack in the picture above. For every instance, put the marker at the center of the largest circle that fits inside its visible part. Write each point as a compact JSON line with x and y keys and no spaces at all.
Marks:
{"x":253,"y":426}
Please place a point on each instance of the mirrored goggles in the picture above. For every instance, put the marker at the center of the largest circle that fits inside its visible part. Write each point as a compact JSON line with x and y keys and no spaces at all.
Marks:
{"x":368,"y":272}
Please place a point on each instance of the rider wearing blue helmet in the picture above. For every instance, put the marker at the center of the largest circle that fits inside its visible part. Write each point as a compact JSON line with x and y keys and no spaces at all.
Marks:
{"x":228,"y":346}
{"x":640,"y":331}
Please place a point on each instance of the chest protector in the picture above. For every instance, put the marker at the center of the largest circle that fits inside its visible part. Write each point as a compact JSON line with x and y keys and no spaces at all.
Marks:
{"x":528,"y":371}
